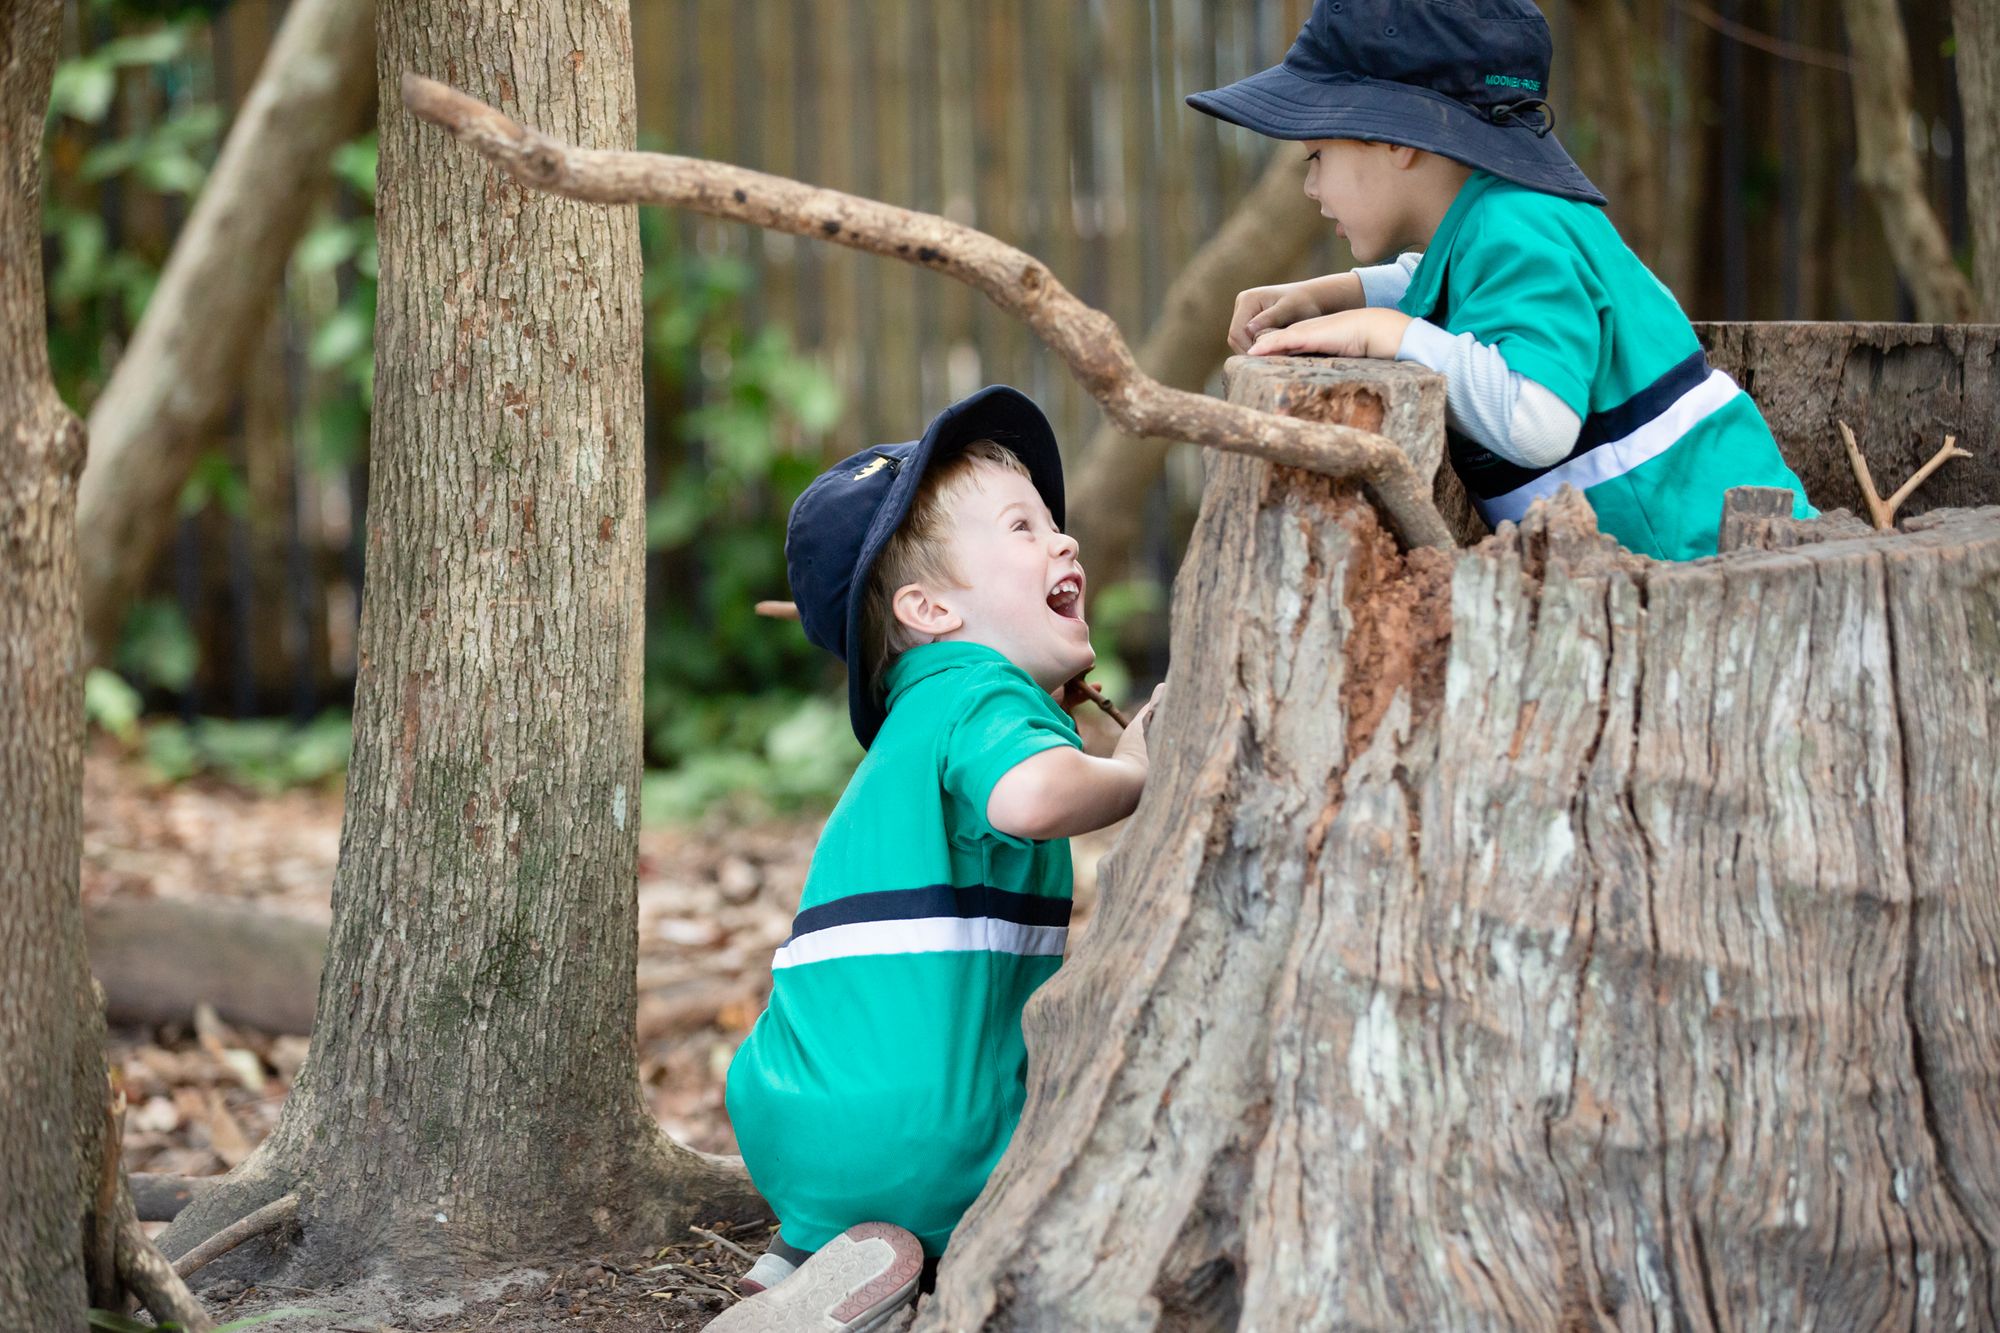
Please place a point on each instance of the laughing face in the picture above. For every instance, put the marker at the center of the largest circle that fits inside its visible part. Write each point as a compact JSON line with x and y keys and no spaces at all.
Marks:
{"x":1024,"y":593}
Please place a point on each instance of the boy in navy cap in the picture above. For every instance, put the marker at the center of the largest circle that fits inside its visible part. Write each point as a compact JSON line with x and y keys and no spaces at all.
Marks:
{"x":885,"y":1078}
{"x":1427,"y":135}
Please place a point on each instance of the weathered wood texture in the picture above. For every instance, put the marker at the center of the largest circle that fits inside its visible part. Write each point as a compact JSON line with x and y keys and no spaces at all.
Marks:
{"x":1530,"y":937}
{"x":1902,"y":387}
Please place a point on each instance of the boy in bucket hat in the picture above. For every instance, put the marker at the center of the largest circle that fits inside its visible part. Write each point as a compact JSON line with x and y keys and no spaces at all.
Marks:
{"x":883,"y":1081}
{"x":1428,"y":136}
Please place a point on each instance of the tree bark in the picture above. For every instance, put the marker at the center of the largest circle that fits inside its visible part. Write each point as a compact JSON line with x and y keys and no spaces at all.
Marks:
{"x":48,"y":1106}
{"x":174,"y":385}
{"x":472,"y":1090}
{"x":1887,"y":163}
{"x":1530,"y":937}
{"x":1976,"y":38}
{"x":1902,"y":387}
{"x":1265,"y":240}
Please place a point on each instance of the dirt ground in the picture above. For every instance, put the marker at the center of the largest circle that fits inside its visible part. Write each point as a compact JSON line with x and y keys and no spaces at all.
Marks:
{"x":714,"y":901}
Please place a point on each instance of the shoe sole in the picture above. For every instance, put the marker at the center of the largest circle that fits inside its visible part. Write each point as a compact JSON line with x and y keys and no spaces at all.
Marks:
{"x":861,"y":1280}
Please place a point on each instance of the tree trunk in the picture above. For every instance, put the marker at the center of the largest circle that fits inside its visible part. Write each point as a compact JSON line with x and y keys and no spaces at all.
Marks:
{"x":1530,"y":937}
{"x":1887,"y":163}
{"x":1976,"y":58}
{"x":49,"y":1104}
{"x":173,"y":387}
{"x":472,"y":1090}
{"x":1264,"y":240}
{"x":1610,"y":89}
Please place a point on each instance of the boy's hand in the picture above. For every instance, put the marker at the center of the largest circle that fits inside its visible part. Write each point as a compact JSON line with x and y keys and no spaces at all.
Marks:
{"x":1375,"y":332}
{"x":1132,"y":745}
{"x":1261,"y":309}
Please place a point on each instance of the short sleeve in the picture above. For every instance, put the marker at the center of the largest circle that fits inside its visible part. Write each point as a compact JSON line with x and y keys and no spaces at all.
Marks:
{"x":1532,"y":296}
{"x":1003,"y":718}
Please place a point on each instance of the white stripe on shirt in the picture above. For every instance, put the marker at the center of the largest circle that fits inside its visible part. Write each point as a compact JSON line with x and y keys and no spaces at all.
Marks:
{"x":1614,"y":458}
{"x":936,"y":934}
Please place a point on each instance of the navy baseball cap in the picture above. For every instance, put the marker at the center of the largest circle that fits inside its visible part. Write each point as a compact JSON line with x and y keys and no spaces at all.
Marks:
{"x":839,"y":526}
{"x":1466,"y":79}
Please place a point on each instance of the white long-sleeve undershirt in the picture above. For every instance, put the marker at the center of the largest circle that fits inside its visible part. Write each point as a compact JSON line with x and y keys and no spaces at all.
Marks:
{"x":1514,"y":416}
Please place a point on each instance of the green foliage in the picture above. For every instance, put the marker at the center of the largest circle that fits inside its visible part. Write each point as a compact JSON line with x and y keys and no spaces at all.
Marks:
{"x":735,"y":704}
{"x":97,"y":288}
{"x":262,"y":754}
{"x":110,"y":703}
{"x":157,"y":647}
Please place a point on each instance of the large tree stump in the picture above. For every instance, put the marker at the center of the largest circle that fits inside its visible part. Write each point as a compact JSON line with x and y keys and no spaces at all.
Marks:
{"x":1530,"y":937}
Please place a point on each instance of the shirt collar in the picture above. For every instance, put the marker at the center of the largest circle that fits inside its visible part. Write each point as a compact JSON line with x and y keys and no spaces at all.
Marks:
{"x":929,"y":659}
{"x":1427,"y":283}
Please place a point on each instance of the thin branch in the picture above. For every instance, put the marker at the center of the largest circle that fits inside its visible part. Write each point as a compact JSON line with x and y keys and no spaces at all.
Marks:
{"x":1770,"y":46}
{"x":1086,"y":339}
{"x":273,"y":1215}
{"x":146,"y":1272}
{"x":1882,"y":513}
{"x":724,"y":1242}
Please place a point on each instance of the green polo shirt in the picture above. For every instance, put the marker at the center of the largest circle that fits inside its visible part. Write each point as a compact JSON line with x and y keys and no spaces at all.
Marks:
{"x":885,"y":1077}
{"x":1550,"y":283}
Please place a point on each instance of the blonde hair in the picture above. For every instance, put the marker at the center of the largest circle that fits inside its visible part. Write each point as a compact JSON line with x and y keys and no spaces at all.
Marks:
{"x":920,"y":551}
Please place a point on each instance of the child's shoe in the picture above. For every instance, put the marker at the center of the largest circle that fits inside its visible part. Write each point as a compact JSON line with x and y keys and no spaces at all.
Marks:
{"x":858,"y":1282}
{"x":770,"y":1269}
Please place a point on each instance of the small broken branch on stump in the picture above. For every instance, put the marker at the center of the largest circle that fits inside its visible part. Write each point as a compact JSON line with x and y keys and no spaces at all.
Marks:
{"x":277,"y":1213}
{"x":1085,"y":338}
{"x":1883,"y":512}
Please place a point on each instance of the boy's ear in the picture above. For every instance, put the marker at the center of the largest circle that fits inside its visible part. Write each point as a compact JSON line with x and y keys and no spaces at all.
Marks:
{"x":1403,"y":157}
{"x":922,"y":614}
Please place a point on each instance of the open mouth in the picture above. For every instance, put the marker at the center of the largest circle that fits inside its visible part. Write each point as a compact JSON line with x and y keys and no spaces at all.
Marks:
{"x":1066,"y":598}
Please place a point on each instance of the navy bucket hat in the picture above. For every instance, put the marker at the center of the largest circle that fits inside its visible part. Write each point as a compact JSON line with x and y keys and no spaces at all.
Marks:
{"x":1466,"y":79}
{"x":839,"y":526}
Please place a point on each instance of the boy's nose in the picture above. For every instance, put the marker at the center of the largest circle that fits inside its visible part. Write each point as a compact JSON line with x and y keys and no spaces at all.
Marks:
{"x":1064,"y":544}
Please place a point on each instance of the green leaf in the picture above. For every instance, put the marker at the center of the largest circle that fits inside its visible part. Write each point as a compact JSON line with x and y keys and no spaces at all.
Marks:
{"x":354,"y":164}
{"x":83,"y":89}
{"x":674,"y":516}
{"x":170,"y":752}
{"x":157,"y":647}
{"x":215,"y":480}
{"x":111,"y":703}
{"x":146,"y":48}
{"x":265,"y":1318}
{"x":172,"y":173}
{"x":328,"y":245}
{"x":346,"y":333}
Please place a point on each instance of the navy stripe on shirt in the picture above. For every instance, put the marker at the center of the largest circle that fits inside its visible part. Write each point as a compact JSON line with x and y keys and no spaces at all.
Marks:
{"x":1488,"y":475}
{"x":942,"y":900}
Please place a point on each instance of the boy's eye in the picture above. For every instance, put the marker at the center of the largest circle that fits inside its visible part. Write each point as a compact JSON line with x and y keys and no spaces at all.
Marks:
{"x":1313,"y":156}
{"x":1020,"y":525}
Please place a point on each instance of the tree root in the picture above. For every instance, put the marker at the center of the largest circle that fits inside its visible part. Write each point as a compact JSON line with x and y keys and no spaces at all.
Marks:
{"x":278,"y":1213}
{"x":148,"y":1275}
{"x":1086,"y":339}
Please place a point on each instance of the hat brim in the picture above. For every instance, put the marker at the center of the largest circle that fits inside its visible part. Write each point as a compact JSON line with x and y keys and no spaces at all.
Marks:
{"x":1007,"y":417}
{"x":1281,"y":104}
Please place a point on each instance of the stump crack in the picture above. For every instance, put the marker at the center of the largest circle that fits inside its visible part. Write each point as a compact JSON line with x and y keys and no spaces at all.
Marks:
{"x":1940,"y":1151}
